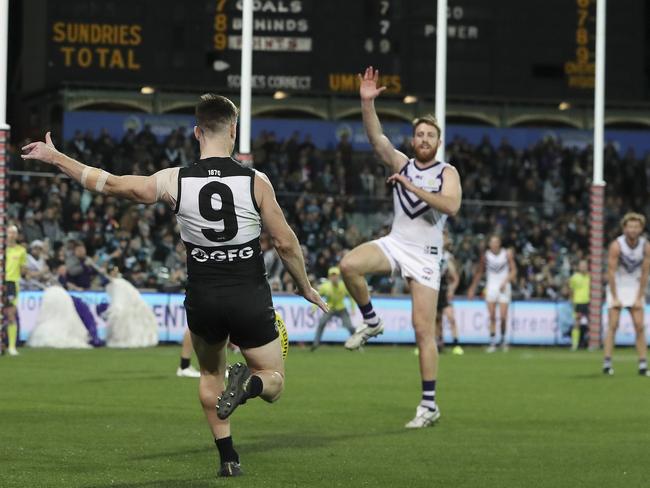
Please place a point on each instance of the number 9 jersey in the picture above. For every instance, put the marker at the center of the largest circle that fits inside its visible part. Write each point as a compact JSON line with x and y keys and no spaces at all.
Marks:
{"x":220,"y":223}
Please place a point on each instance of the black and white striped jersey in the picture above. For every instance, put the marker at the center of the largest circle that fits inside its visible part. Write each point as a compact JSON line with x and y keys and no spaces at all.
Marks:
{"x":220,"y":223}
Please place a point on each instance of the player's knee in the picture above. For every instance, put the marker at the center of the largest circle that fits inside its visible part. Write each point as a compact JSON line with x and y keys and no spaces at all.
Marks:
{"x":424,"y":336}
{"x":207,"y":398}
{"x":348,"y":266}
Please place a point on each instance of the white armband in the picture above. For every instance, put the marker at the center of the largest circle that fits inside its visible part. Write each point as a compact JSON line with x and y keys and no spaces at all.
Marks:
{"x":101,"y":181}
{"x":84,"y":175}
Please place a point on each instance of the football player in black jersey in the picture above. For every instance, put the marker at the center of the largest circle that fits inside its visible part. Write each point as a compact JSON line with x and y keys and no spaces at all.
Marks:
{"x":221,"y":207}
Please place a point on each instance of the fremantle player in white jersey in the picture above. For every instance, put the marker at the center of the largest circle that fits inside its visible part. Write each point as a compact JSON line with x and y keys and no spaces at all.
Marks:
{"x":425,"y":192}
{"x":220,"y":207}
{"x":627,"y":278}
{"x":499,"y":266}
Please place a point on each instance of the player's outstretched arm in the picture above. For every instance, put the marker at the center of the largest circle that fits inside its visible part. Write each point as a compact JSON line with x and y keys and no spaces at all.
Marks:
{"x":447,"y":200}
{"x":613,"y":255}
{"x":284,"y":240}
{"x":368,"y":91}
{"x":141,"y":189}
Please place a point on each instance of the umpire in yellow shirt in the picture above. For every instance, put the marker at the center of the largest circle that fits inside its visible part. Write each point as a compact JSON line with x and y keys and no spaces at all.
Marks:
{"x":15,"y":263}
{"x":580,"y":284}
{"x":333,"y":290}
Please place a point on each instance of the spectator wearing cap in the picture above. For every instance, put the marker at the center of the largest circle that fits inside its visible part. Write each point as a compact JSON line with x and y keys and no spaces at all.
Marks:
{"x":334,"y":292}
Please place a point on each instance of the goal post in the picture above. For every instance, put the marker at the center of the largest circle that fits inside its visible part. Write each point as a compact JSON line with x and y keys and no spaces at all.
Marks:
{"x":597,"y":201}
{"x":4,"y":144}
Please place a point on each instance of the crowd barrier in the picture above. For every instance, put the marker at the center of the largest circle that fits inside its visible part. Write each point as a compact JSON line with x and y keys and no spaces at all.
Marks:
{"x":530,"y":322}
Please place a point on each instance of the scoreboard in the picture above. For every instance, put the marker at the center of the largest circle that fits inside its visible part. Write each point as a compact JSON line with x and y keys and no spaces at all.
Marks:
{"x":496,"y":48}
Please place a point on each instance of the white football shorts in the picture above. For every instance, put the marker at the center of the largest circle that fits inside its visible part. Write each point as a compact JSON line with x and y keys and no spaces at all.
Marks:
{"x":417,"y":262}
{"x":627,"y":289}
{"x":494,"y":295}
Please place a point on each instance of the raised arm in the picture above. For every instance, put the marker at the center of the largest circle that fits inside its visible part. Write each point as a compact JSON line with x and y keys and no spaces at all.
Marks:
{"x":447,"y":200}
{"x":141,"y":189}
{"x":284,"y":240}
{"x":477,"y":277}
{"x":613,"y":255}
{"x":368,"y":91}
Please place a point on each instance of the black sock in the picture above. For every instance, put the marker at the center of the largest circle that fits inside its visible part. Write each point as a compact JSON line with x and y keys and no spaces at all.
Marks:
{"x":584,"y":331}
{"x":227,"y":452}
{"x":455,"y":343}
{"x":185,"y":363}
{"x":255,"y":386}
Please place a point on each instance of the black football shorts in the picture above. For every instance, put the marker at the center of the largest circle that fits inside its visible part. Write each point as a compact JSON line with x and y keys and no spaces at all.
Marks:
{"x":246,"y":314}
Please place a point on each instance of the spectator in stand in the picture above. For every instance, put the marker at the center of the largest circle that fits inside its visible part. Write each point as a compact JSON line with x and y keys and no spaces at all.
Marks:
{"x":38,"y":273}
{"x":80,"y":270}
{"x":556,"y":219}
{"x":52,"y":225}
{"x":32,"y":230}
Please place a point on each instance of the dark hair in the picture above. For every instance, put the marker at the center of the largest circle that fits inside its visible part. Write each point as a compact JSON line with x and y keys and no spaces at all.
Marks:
{"x":214,"y":112}
{"x":426,"y":119}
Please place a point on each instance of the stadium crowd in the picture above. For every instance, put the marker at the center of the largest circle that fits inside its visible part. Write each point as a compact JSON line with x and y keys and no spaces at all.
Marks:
{"x":333,"y":199}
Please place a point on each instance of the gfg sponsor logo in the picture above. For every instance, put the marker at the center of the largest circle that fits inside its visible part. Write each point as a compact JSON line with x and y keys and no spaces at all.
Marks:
{"x":220,"y":256}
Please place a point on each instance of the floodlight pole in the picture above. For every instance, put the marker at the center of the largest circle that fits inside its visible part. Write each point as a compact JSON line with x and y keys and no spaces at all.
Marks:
{"x":596,"y":237}
{"x":441,"y":72}
{"x":246,"y":81}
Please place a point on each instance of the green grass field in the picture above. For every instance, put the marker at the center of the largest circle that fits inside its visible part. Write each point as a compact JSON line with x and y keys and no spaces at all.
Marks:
{"x":528,"y":418}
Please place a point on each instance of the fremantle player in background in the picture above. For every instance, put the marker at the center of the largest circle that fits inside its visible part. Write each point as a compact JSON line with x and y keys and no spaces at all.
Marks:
{"x":449,"y":280}
{"x":627,"y":277}
{"x":425,"y":192}
{"x":220,"y":207}
{"x":498,"y":263}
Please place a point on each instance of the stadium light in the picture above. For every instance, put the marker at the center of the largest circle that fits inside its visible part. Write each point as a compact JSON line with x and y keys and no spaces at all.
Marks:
{"x":147,"y":90}
{"x":408,"y":99}
{"x":564,"y":106}
{"x":280,"y":95}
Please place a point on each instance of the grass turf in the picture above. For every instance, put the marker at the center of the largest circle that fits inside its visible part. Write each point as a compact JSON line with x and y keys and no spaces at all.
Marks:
{"x":531,"y":417}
